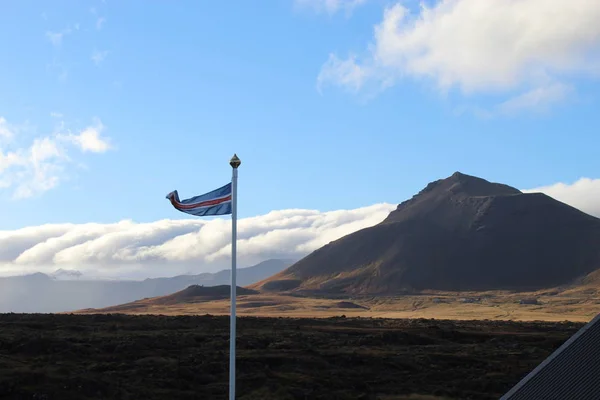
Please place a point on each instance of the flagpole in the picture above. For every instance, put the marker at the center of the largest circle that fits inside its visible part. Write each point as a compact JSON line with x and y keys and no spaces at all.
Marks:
{"x":235,"y":163}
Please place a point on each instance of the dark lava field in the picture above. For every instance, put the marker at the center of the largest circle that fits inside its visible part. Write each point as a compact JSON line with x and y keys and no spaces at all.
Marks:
{"x":52,"y":356}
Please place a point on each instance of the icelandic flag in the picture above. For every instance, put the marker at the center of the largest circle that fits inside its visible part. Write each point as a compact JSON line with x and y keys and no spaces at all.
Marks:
{"x":217,"y":202}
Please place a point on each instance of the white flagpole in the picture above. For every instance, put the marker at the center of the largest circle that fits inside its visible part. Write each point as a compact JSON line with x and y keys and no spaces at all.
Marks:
{"x":235,"y":163}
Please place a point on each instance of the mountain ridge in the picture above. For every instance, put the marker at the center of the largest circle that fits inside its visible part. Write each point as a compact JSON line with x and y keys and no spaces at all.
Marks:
{"x":39,"y":292}
{"x":458,"y":233}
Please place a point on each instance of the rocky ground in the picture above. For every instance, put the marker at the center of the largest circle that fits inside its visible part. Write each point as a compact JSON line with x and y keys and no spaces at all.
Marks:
{"x":186,"y":357}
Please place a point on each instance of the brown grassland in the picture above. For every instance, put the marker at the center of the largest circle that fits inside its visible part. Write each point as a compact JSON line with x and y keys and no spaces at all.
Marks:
{"x":579,"y":304}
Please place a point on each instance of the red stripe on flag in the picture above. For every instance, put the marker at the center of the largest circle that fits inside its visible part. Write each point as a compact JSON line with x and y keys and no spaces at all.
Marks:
{"x":206,"y":203}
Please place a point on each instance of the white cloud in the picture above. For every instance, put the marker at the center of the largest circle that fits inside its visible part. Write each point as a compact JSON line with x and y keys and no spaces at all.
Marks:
{"x":344,"y":73}
{"x":43,"y":168}
{"x":100,"y":22}
{"x":89,"y":139}
{"x":32,"y":170}
{"x":6,"y":131}
{"x":56,"y":38}
{"x":169,"y":247}
{"x":98,"y":56}
{"x":7,"y":161}
{"x":494,"y":46}
{"x":583,"y":194}
{"x":538,"y":99}
{"x":329,"y":6}
{"x":29,"y":170}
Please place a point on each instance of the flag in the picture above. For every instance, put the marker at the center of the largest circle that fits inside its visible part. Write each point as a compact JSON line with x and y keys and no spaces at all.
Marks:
{"x":217,"y":202}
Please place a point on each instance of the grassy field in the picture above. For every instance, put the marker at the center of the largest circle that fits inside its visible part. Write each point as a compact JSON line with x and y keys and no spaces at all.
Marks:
{"x":574,"y":305}
{"x":185,"y":357}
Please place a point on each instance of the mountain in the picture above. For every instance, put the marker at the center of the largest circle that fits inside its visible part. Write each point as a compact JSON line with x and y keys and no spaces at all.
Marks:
{"x":42,"y":293}
{"x":459,"y":233}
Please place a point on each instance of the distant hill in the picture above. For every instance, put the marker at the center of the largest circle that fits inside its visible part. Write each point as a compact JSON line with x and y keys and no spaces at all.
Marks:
{"x":191,"y":295}
{"x":245,"y":276}
{"x":43,"y":293}
{"x":459,"y":233}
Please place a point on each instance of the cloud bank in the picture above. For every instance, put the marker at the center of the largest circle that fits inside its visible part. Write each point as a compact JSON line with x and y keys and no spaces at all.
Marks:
{"x":532,"y":50}
{"x":127,"y":249}
{"x":169,"y":247}
{"x":584,"y":194}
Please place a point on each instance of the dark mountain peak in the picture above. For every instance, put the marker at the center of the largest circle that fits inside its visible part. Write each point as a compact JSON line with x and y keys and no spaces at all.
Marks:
{"x":463,"y":184}
{"x":459,"y":197}
{"x":458,"y":233}
{"x":457,"y":176}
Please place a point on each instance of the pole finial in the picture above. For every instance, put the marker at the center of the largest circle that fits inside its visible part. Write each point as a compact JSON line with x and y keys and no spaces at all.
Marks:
{"x":235,"y":161}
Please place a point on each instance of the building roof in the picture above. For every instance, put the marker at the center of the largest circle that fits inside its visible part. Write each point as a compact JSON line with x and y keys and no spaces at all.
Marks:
{"x":571,"y":372}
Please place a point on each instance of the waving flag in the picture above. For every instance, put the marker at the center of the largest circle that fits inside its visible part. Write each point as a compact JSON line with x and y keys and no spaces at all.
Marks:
{"x":217,"y":202}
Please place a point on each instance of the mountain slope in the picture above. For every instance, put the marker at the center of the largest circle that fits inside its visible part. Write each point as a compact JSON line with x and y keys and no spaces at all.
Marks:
{"x":459,"y":233}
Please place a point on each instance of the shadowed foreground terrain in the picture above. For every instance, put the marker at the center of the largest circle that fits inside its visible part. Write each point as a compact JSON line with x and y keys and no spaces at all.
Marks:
{"x":186,"y":357}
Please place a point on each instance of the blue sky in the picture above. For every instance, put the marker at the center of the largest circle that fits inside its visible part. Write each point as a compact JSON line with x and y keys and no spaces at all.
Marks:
{"x":324,"y":112}
{"x":184,"y":86}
